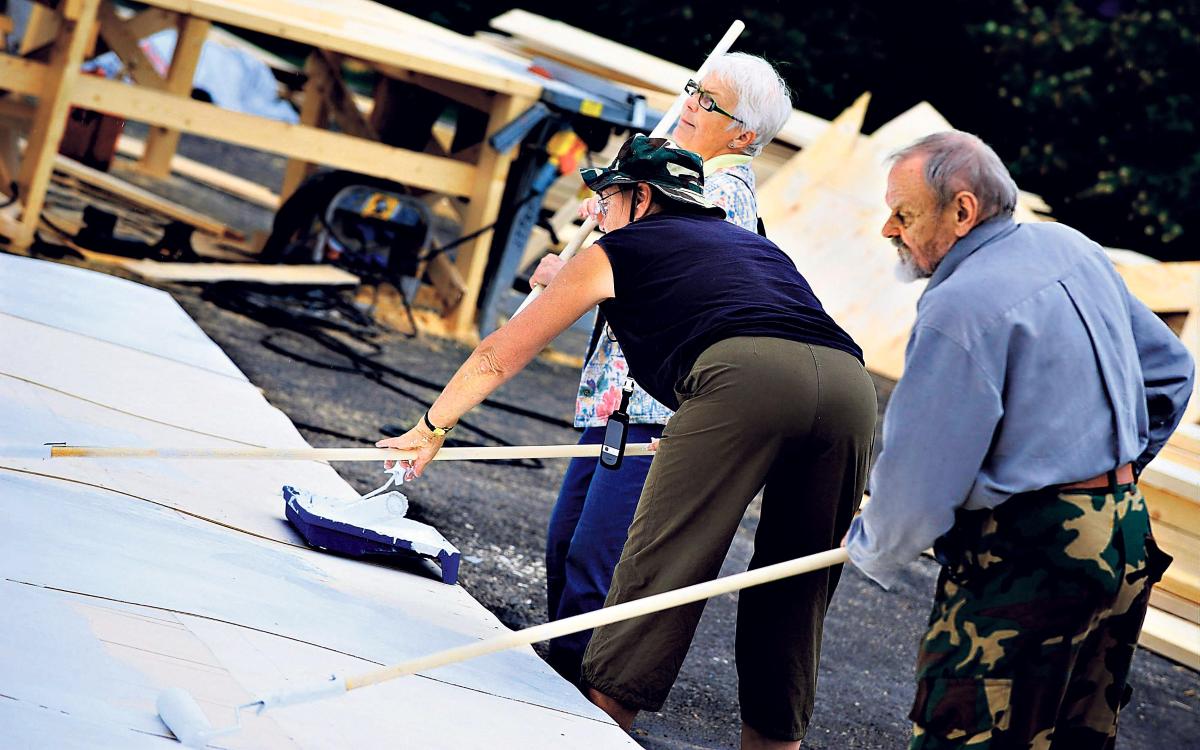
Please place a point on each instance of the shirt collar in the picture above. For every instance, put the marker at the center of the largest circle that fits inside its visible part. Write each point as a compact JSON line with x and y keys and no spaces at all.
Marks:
{"x":725,"y":161}
{"x":982,"y":234}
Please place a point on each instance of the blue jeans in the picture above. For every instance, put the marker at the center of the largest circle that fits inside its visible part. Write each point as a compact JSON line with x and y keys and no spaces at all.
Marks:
{"x":587,"y":532}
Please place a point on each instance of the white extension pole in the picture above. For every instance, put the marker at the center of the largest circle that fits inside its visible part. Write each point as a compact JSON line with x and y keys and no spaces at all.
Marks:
{"x":604,"y":616}
{"x":184,"y":717}
{"x":660,"y":131}
{"x":339,"y":454}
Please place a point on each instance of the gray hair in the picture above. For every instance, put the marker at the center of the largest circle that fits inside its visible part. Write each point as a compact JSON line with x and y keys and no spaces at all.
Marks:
{"x":764,"y":102}
{"x":962,"y":161}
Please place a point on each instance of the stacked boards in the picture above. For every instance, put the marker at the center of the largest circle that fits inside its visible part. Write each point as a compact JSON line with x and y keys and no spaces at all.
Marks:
{"x":125,"y":577}
{"x":1171,"y":485}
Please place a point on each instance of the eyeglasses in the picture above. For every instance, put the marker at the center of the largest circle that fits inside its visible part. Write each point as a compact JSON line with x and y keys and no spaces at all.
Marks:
{"x":706,"y":101}
{"x":602,"y":201}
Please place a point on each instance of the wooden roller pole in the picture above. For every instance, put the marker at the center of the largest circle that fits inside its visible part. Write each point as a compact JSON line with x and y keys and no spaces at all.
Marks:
{"x":604,"y":616}
{"x":341,"y":454}
{"x":660,"y":131}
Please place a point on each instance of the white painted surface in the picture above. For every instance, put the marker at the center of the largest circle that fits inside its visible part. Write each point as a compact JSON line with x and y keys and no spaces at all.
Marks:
{"x":107,"y":308}
{"x":122,"y":578}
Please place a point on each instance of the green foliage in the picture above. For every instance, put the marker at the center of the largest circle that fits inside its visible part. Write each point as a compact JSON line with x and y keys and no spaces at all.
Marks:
{"x":1098,"y":111}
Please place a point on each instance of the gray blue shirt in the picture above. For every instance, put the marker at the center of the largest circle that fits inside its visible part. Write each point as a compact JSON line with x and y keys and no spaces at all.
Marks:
{"x":1030,"y":365}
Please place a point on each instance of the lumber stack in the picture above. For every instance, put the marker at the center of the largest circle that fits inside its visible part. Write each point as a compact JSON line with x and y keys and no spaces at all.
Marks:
{"x":1171,"y":485}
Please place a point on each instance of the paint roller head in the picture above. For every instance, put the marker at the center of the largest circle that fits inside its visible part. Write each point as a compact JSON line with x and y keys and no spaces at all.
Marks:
{"x":182,"y":715}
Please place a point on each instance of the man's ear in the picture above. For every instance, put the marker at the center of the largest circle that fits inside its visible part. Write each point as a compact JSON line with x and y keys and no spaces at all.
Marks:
{"x":966,"y":212}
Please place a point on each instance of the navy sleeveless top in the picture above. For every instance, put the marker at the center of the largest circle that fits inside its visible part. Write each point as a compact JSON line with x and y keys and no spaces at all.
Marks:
{"x":685,"y":282}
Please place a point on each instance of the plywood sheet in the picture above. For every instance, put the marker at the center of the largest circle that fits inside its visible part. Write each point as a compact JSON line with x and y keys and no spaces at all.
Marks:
{"x":829,"y":222}
{"x":136,"y":382}
{"x":374,"y":33}
{"x":108,"y":309}
{"x":315,"y":275}
{"x":125,"y":577}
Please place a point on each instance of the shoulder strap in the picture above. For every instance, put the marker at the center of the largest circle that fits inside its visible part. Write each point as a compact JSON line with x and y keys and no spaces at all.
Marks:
{"x":762,"y":228}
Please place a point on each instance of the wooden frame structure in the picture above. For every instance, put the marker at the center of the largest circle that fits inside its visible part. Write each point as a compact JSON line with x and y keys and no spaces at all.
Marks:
{"x":387,"y":41}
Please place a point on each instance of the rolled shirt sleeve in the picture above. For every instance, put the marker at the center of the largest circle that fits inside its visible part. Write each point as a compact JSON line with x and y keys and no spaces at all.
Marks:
{"x":1167,"y":372}
{"x":932,"y":454}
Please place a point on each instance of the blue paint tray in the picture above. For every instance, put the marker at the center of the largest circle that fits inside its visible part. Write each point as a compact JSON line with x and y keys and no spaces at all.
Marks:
{"x":373,"y":525}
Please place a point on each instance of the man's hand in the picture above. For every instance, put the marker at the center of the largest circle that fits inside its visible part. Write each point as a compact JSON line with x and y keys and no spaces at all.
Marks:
{"x":547,"y":269}
{"x":419,"y":439}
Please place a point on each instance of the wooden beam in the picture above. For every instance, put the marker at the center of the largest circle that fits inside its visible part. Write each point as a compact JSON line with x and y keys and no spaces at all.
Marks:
{"x":469,"y":95}
{"x":1163,"y":287}
{"x":150,"y":21}
{"x":492,"y":172}
{"x":314,"y":109}
{"x":447,"y":282}
{"x":339,"y":97}
{"x":377,"y":34}
{"x":143,"y":198}
{"x":418,"y":170}
{"x":125,"y":45}
{"x":22,"y":76}
{"x":333,"y":149}
{"x":54,"y":102}
{"x":320,"y":274}
{"x":239,"y":187}
{"x":162,"y":142}
{"x":1175,"y":604}
{"x":73,"y":10}
{"x":40,"y":29}
{"x":1172,"y":637}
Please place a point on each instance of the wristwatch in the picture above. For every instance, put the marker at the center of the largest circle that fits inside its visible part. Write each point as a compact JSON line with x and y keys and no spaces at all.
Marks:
{"x":437,"y":431}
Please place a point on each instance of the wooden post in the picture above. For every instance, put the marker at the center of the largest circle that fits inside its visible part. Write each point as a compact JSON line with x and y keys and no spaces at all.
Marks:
{"x":41,"y":28}
{"x":313,"y":111}
{"x":161,"y":143}
{"x":340,"y":99}
{"x":50,"y":121}
{"x":491,"y":174}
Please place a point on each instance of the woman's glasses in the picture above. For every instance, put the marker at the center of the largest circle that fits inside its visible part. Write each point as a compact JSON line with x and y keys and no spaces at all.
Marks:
{"x":706,"y":101}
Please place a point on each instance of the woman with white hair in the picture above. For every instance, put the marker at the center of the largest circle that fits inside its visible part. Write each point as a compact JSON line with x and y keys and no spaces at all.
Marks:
{"x":728,"y":118}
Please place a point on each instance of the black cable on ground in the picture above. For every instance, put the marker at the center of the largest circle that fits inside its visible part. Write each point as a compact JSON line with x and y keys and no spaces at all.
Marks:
{"x":266,"y":310}
{"x":273,"y":316}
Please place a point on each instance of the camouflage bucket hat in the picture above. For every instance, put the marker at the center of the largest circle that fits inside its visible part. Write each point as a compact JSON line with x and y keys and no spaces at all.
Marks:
{"x":677,"y":174}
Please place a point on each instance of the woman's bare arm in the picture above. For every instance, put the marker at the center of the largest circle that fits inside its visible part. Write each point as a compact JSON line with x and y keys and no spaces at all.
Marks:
{"x":584,"y":281}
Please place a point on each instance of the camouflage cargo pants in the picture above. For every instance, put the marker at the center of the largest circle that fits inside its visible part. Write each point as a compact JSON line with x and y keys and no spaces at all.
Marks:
{"x":1035,"y":620}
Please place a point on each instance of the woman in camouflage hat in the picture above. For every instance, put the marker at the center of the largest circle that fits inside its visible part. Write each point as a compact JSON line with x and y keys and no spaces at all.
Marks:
{"x":717,"y":324}
{"x":728,"y":118}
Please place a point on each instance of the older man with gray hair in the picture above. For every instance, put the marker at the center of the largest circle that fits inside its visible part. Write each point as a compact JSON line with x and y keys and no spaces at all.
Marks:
{"x":1036,"y":388}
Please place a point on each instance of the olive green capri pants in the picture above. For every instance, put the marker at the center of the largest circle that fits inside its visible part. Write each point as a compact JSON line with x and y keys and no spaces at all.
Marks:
{"x":754,"y":411}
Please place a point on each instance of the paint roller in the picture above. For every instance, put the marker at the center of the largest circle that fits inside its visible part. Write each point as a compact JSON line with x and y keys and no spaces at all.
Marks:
{"x":183,"y":716}
{"x":660,"y":131}
{"x":371,"y":525}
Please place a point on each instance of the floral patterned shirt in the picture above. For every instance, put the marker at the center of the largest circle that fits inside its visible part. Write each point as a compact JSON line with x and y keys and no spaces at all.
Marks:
{"x":728,"y":182}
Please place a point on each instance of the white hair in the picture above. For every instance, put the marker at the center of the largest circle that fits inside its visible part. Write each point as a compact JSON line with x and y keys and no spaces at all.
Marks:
{"x":962,"y":161}
{"x":764,"y":102}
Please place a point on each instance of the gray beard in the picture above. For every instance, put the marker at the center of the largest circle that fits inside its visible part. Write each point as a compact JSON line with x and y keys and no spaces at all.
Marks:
{"x":906,"y":269}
